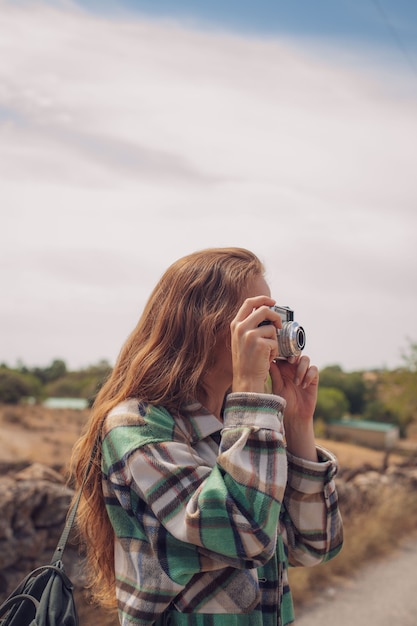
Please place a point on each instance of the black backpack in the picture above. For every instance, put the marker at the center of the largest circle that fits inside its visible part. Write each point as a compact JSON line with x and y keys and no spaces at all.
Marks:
{"x":45,"y":597}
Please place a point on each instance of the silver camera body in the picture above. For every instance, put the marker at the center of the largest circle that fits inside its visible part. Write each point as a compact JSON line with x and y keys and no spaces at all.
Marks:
{"x":291,"y":337}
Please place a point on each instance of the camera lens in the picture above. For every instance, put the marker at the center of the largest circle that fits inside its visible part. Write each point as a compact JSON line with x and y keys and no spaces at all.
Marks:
{"x":291,"y":340}
{"x":301,"y":338}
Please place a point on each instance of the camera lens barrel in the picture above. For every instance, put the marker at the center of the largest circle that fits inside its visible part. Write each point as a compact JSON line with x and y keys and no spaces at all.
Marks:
{"x":291,"y":339}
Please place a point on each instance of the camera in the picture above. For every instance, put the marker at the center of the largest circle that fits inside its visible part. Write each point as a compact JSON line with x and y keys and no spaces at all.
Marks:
{"x":291,"y":337}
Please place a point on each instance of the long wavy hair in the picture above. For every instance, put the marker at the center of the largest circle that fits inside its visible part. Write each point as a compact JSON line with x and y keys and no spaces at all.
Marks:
{"x":163,"y":362}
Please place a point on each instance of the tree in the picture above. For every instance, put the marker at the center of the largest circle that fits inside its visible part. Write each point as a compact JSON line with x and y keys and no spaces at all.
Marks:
{"x":332,"y":404}
{"x":410,"y":357}
{"x":332,"y":376}
{"x":80,"y":384}
{"x":53,"y":372}
{"x":355,"y":389}
{"x":352,"y":385}
{"x":56,"y":370}
{"x":397,"y":392}
{"x":15,"y":386}
{"x":378,"y":411}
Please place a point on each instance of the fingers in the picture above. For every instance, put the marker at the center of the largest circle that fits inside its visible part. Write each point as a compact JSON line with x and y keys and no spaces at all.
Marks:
{"x":311,"y":377}
{"x":305,"y":374}
{"x":256,"y":341}
{"x":254,"y":345}
{"x":253,"y":303}
{"x":257,"y":322}
{"x":257,"y":310}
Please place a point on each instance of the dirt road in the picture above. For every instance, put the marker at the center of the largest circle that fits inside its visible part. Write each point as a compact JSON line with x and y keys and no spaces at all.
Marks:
{"x":384,"y":593}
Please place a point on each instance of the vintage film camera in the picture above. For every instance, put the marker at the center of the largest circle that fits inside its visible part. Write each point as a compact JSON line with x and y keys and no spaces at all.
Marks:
{"x":292,"y":337}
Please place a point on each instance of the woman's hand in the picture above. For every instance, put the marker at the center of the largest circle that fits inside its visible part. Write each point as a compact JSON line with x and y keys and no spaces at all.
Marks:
{"x":297,"y":382}
{"x":254,"y":347}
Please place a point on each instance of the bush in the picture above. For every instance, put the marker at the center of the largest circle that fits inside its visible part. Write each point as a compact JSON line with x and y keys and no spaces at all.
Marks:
{"x":82,"y":384}
{"x":332,"y":404}
{"x":353,"y":385}
{"x":15,"y":386}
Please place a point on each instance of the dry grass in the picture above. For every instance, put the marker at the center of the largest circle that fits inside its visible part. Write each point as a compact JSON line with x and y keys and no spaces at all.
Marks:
{"x":351,"y":456}
{"x":46,"y":435}
{"x":30,"y":434}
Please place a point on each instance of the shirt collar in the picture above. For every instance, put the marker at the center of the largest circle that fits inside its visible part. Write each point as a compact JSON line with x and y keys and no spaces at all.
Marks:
{"x":197,"y":422}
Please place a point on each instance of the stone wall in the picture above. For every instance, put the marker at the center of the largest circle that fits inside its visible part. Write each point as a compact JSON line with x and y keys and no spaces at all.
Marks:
{"x":360,"y":489}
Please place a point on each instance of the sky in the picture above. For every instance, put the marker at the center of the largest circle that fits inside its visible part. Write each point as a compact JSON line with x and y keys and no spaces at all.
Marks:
{"x":133,"y":133}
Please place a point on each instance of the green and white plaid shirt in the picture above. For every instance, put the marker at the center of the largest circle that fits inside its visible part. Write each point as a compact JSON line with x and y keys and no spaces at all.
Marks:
{"x":206,"y":531}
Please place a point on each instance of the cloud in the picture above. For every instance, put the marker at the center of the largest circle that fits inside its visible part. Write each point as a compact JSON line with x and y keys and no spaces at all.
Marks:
{"x":127,"y":143}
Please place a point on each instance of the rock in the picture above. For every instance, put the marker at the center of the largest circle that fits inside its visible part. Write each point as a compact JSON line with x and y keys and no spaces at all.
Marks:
{"x":34,"y":504}
{"x":361,"y":489}
{"x":37,"y":471}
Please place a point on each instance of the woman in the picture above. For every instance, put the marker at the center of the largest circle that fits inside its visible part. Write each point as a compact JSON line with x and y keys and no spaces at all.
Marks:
{"x":197,"y":503}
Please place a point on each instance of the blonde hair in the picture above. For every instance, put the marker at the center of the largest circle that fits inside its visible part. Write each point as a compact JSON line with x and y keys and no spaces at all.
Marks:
{"x":163,"y":362}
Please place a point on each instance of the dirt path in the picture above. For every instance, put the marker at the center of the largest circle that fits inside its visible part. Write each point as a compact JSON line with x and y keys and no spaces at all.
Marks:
{"x":384,"y":593}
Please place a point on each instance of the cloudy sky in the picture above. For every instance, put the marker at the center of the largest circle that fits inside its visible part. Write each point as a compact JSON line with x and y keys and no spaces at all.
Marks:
{"x":133,"y":133}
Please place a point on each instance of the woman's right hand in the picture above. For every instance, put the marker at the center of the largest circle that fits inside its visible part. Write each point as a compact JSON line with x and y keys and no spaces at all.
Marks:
{"x":254,"y":347}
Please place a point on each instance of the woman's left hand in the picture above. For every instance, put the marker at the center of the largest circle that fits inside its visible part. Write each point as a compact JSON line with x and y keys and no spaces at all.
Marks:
{"x":297,"y":382}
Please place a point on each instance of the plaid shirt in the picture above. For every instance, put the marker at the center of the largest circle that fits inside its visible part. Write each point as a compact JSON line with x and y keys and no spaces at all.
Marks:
{"x":206,"y":531}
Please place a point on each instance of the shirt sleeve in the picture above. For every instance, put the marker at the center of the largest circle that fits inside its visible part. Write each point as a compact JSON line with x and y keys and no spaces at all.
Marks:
{"x":311,"y":517}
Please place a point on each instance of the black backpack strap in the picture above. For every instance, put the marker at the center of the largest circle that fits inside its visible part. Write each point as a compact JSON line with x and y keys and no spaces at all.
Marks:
{"x":21,"y":597}
{"x":63,"y":540}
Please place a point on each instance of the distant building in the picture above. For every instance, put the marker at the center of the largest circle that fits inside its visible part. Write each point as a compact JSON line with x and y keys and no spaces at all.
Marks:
{"x":372,"y":434}
{"x":66,"y":403}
